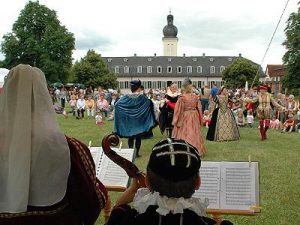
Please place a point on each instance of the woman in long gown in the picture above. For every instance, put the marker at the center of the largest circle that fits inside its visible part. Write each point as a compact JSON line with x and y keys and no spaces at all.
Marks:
{"x":187,"y":118}
{"x":223,"y":126}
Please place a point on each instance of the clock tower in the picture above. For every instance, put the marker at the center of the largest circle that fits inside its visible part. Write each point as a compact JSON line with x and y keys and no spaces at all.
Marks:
{"x":170,"y":37}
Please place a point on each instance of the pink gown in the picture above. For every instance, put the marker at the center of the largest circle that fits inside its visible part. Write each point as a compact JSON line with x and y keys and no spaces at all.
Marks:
{"x":187,"y":121}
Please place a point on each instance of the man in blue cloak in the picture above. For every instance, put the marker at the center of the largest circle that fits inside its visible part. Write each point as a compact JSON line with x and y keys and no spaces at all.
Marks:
{"x":134,"y":116}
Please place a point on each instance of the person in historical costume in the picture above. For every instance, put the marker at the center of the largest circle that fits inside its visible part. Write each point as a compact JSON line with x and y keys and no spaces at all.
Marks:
{"x":187,"y":118}
{"x":223,"y":125}
{"x":134,"y":116}
{"x":172,"y":178}
{"x":264,"y":110}
{"x":167,"y":110}
{"x":46,"y":178}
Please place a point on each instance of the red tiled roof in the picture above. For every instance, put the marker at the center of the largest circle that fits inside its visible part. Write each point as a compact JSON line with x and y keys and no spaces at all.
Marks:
{"x":276,"y":70}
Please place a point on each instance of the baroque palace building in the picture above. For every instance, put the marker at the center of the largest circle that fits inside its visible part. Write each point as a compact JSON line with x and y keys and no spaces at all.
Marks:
{"x":157,"y":72}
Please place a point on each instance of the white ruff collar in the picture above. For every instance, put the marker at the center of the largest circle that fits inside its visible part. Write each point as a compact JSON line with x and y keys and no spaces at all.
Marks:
{"x":144,"y":198}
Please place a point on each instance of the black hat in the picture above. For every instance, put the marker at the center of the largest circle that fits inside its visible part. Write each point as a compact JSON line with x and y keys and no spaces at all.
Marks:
{"x":174,"y":160}
{"x":135,"y":83}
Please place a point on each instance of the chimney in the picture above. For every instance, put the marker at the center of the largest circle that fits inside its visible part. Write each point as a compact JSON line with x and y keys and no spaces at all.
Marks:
{"x":183,"y":54}
{"x":154,"y":54}
{"x":240,"y":54}
{"x":203,"y":54}
{"x":134,"y":54}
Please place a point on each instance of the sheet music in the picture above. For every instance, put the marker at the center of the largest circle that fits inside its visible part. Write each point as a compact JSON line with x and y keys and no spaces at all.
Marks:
{"x":109,"y":173}
{"x":210,"y":183}
{"x":229,"y":185}
{"x":239,"y":183}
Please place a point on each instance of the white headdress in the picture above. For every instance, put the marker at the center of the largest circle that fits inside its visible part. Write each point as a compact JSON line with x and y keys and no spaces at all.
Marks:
{"x":34,"y":154}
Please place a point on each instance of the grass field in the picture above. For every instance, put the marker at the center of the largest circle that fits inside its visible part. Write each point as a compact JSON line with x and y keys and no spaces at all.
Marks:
{"x":278,"y":157}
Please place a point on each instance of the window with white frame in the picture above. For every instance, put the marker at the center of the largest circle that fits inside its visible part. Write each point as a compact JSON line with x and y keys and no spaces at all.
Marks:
{"x":211,"y":59}
{"x":222,"y":68}
{"x":125,"y":59}
{"x":194,"y":59}
{"x":117,"y":69}
{"x":199,"y":69}
{"x":159,"y":69}
{"x":169,"y":69}
{"x":212,"y":69}
{"x":149,"y":69}
{"x":169,"y":59}
{"x":229,"y":59}
{"x":126,"y":69}
{"x":179,"y":69}
{"x":149,"y":59}
{"x":139,"y":69}
{"x":189,"y":69}
{"x":109,"y":60}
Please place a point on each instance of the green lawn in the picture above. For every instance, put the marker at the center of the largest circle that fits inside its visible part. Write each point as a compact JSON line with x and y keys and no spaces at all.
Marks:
{"x":278,"y":157}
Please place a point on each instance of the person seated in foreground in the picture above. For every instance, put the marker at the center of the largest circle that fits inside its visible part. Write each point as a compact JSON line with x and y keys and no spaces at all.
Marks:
{"x":172,"y":178}
{"x":46,"y":178}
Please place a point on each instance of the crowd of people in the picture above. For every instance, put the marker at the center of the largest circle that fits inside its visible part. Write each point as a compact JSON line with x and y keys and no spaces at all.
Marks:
{"x":282,"y":113}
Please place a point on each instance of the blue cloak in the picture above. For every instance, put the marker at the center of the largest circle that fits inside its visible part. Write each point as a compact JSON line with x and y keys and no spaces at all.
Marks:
{"x":134,"y":115}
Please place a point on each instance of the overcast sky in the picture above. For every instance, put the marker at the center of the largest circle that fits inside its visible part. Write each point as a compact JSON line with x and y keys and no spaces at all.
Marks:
{"x":213,"y":27}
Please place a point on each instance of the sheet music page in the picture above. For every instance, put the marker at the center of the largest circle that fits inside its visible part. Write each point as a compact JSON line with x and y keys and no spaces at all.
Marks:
{"x":239,"y":185}
{"x":210,"y":183}
{"x":97,"y":154}
{"x":110,"y":174}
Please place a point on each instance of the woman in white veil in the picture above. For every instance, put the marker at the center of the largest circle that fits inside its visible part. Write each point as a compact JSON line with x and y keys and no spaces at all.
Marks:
{"x":39,"y":166}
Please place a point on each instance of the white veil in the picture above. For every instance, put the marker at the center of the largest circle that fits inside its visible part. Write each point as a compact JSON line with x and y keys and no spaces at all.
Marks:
{"x":34,"y":154}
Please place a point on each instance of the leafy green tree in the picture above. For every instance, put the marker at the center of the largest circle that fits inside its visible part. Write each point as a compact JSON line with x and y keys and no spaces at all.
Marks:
{"x":292,"y":56}
{"x":38,"y":39}
{"x":92,"y":71}
{"x":240,"y":71}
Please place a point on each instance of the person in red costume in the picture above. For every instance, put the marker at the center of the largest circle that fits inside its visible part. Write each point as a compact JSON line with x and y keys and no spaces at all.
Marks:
{"x":264,"y":99}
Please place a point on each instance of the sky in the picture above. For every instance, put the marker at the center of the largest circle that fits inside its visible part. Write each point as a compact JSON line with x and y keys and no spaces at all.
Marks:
{"x":124,"y":28}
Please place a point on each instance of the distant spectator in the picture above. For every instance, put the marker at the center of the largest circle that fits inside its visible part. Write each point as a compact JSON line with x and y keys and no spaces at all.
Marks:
{"x":250,"y":118}
{"x":102,"y":105}
{"x":80,"y":107}
{"x":240,"y":119}
{"x":275,"y":123}
{"x":72,"y":103}
{"x":206,"y":118}
{"x":90,"y":107}
{"x":205,"y":92}
{"x":289,"y":124}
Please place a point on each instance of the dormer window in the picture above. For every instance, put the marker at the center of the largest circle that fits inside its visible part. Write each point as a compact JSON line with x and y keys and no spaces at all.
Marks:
{"x":189,"y":69}
{"x":149,"y":59}
{"x":199,"y":69}
{"x":169,"y":69}
{"x":117,"y":69}
{"x":125,"y":59}
{"x":229,"y":59}
{"x":211,"y":59}
{"x":169,"y":59}
{"x":179,"y":69}
{"x":139,"y":69}
{"x":159,"y":69}
{"x":126,"y":69}
{"x":194,"y":59}
{"x":222,"y":68}
{"x":212,"y":69}
{"x":109,"y":60}
{"x":149,"y":69}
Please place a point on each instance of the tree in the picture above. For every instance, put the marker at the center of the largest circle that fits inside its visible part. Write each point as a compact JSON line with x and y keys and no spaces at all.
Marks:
{"x":92,"y":71}
{"x":38,"y":39}
{"x":292,"y":56}
{"x":240,"y":71}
